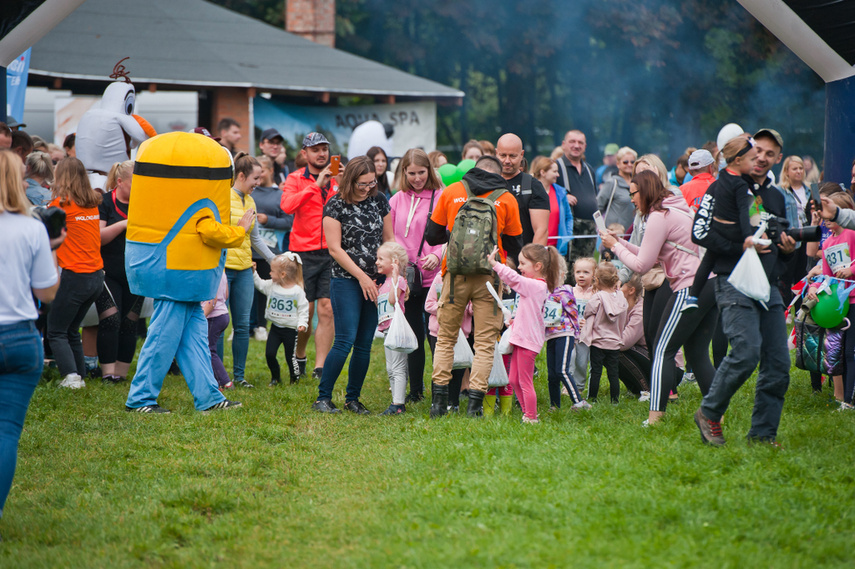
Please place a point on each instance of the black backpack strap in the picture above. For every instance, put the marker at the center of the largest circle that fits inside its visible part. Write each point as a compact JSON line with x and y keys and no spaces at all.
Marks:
{"x":526,"y":182}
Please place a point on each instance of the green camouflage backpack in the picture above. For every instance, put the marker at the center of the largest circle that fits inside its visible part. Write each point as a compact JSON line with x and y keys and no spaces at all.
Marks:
{"x":473,"y":236}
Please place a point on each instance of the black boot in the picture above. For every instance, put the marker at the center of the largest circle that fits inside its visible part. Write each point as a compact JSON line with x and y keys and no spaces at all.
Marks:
{"x":439,"y":400}
{"x":476,"y":403}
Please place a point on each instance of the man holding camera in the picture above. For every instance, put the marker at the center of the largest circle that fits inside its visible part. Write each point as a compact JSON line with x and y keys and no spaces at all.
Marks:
{"x":756,"y":331}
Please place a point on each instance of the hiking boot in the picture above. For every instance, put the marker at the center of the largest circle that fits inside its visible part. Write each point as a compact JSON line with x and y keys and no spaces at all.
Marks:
{"x":147,"y":409}
{"x":439,"y":400}
{"x":357,"y":407}
{"x":224,"y":404}
{"x":476,"y":403}
{"x":325,"y":406}
{"x":710,"y":430}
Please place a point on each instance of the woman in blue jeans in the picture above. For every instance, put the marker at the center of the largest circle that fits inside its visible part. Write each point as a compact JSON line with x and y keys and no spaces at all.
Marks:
{"x":357,"y":221}
{"x":29,"y":268}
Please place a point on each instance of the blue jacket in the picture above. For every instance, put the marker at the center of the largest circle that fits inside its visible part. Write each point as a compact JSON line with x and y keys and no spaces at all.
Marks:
{"x":565,"y":219}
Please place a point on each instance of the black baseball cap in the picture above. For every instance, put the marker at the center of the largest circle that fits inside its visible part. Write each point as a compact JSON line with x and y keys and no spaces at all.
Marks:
{"x":270,"y":134}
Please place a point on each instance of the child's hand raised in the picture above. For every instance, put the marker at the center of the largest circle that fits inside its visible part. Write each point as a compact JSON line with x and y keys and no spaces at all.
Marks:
{"x":492,"y":257}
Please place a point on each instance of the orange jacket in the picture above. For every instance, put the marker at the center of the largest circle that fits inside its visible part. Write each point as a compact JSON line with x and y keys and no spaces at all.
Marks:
{"x":302,"y":197}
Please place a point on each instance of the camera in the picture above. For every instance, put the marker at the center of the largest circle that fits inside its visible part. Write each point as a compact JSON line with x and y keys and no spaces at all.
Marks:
{"x":53,"y":219}
{"x":778,"y":225}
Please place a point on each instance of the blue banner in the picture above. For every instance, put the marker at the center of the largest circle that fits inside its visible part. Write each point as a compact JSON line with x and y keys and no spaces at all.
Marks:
{"x":16,"y":85}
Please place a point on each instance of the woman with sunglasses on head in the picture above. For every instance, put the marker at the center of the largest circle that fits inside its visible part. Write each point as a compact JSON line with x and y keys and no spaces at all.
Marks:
{"x":613,"y":198}
{"x":357,"y":221}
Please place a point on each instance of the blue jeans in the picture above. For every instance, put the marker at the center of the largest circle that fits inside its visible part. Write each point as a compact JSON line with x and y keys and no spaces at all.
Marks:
{"x":755,"y":335}
{"x":241,"y":291}
{"x":355,"y":321}
{"x":177,"y":330}
{"x":21,"y":361}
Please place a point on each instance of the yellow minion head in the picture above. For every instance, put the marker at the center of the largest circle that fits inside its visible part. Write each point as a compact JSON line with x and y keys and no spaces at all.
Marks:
{"x":179,"y":178}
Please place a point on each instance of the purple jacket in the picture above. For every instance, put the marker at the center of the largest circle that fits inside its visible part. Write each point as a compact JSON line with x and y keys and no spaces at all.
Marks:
{"x":569,"y":325}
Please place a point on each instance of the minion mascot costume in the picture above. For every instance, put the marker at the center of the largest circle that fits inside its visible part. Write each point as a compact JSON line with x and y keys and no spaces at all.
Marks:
{"x":174,"y":254}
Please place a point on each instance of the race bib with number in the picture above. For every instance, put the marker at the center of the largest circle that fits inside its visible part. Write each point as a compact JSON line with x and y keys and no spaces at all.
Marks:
{"x":384,"y":309}
{"x":552,"y":312}
{"x":511,"y":304}
{"x":581,"y":304}
{"x":837,"y":257}
{"x":282,"y":307}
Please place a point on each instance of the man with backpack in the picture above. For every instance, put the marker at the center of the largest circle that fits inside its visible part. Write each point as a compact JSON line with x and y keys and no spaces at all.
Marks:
{"x":471,"y":216}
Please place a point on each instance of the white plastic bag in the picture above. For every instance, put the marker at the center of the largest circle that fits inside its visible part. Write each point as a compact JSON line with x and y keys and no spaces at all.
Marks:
{"x":498,"y":375}
{"x":749,"y":278}
{"x":400,"y":337}
{"x":463,"y":355}
{"x":504,"y":346}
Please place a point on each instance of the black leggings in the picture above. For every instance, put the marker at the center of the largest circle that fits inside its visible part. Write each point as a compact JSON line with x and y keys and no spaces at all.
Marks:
{"x":560,"y":369}
{"x":608,"y":358}
{"x":634,"y":369}
{"x":282,"y":336}
{"x":692,"y":331}
{"x":118,"y":312}
{"x":414,"y":310}
{"x":849,"y":359}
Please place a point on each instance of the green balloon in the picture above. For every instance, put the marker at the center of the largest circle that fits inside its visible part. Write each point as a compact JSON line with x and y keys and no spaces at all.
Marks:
{"x":829,"y":311}
{"x":448,"y":173}
{"x":466,"y":165}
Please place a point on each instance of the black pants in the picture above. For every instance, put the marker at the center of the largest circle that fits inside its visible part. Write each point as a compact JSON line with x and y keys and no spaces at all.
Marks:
{"x":634,"y":369}
{"x":76,"y":293}
{"x":560,"y":370}
{"x":414,"y":309}
{"x":117,"y":331}
{"x":259,"y":301}
{"x":275,"y":338}
{"x":611,"y":359}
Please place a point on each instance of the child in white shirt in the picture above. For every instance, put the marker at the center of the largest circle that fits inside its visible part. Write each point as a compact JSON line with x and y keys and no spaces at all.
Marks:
{"x":287,"y":310}
{"x":391,"y":258}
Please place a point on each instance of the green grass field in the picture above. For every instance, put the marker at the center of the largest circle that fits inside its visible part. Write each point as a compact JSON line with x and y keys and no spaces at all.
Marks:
{"x":275,"y":484}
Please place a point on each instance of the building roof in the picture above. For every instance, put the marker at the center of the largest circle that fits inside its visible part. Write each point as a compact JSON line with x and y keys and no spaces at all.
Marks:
{"x":194,"y":43}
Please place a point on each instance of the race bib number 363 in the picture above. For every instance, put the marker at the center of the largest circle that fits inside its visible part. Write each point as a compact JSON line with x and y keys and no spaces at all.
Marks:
{"x":282,"y":307}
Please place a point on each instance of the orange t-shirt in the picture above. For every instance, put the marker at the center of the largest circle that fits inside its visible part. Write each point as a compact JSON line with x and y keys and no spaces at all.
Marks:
{"x":81,"y":250}
{"x":454,"y":196}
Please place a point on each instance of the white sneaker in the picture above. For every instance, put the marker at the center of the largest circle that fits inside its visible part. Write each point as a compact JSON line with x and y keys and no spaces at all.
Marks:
{"x":582,"y":405}
{"x":846,"y":406}
{"x":645,"y":396}
{"x":260,"y":334}
{"x":689,"y":377}
{"x":646,"y":423}
{"x":72,"y":381}
{"x":532,"y":421}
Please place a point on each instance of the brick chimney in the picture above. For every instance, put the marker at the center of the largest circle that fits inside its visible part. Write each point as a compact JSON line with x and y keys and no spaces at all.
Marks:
{"x":311,"y":19}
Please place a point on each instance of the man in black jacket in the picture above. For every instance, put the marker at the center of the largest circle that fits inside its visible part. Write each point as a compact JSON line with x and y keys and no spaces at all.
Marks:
{"x":757,"y":331}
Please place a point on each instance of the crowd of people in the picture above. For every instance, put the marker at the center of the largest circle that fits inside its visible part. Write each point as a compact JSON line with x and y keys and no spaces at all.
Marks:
{"x":624,"y":267}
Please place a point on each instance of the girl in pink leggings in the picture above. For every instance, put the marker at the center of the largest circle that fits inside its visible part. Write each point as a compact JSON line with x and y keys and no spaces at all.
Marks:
{"x":539,"y":268}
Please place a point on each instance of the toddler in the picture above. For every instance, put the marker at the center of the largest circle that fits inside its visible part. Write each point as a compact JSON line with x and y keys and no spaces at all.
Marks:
{"x":562,"y":325}
{"x":218,"y":320}
{"x":539,"y":267}
{"x":287,"y":310}
{"x":391,"y":257}
{"x":605,"y":318}
{"x":583,"y":273}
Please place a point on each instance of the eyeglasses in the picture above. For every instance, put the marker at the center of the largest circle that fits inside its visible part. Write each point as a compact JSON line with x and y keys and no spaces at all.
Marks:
{"x":363,"y":185}
{"x":626,"y":162}
{"x":631,"y":193}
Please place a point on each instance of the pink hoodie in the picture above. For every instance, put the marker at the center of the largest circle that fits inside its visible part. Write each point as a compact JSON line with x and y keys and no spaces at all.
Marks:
{"x":605,"y":318}
{"x":662,"y":227}
{"x":410,"y":234}
{"x":633,"y":331}
{"x":432,"y":303}
{"x":527,"y":330}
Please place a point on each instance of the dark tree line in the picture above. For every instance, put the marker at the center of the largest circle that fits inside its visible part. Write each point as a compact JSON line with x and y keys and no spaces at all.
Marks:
{"x":652,"y":74}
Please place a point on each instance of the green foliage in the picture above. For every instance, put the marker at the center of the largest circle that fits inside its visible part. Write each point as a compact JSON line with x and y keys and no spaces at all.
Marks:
{"x":274,"y":484}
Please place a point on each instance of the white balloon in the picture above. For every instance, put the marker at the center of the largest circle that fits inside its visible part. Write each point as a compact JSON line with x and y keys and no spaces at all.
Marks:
{"x":366,"y":135}
{"x":727,"y":132}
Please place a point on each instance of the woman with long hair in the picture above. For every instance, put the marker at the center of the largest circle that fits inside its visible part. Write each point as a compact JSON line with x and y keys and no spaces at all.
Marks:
{"x":381,"y":168}
{"x":411,"y":208}
{"x":239,"y":262}
{"x":668,"y":240}
{"x":545,"y":171}
{"x":29,"y":269}
{"x":356,"y":222}
{"x":82,"y":276}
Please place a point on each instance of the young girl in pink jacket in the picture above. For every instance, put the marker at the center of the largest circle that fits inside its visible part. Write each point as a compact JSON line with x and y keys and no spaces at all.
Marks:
{"x":605,"y":318}
{"x":539,"y":267}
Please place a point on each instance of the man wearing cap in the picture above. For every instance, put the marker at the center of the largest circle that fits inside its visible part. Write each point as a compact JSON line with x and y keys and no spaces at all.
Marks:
{"x":578,"y":177}
{"x":14,"y":125}
{"x":756,"y":331}
{"x":305,"y":192}
{"x":272,"y":145}
{"x":702,"y":169}
{"x":609,"y":168}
